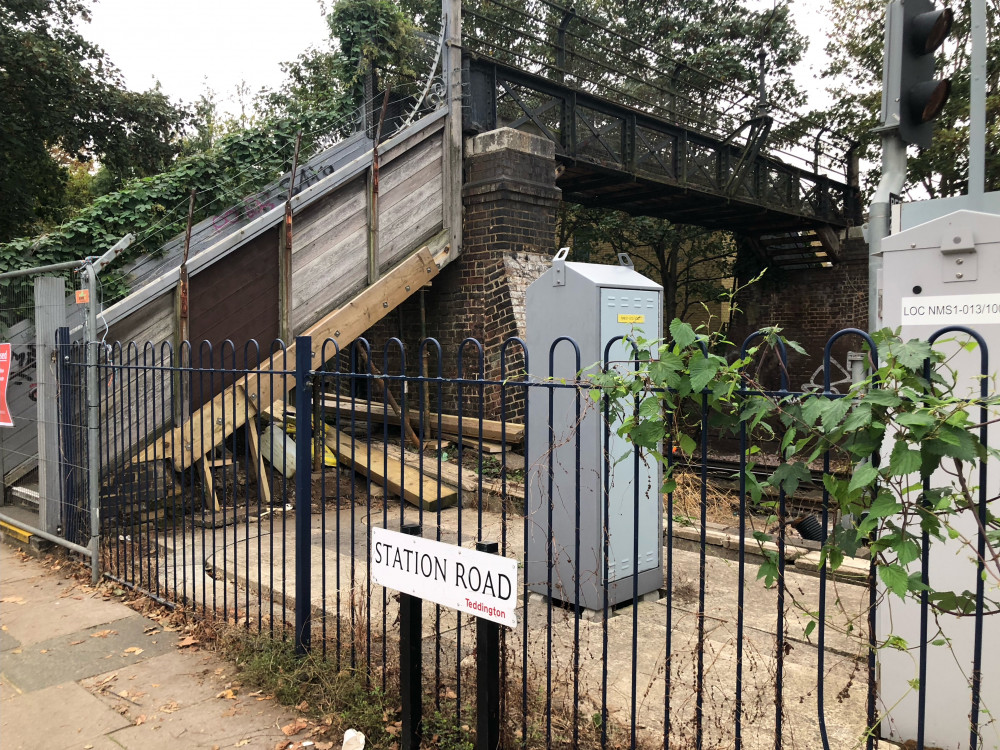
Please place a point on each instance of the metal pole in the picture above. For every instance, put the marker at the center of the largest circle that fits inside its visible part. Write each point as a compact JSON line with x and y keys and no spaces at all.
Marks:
{"x":977,"y":101}
{"x":69,"y":265}
{"x":411,"y":661}
{"x":93,"y":423}
{"x":303,"y":495}
{"x":487,"y":675}
{"x":879,"y":217}
{"x":18,"y":523}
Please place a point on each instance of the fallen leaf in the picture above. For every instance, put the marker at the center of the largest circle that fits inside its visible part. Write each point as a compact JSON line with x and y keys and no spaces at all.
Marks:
{"x":185,"y":642}
{"x":13,"y":600}
{"x":169,"y":708}
{"x":103,"y":633}
{"x":295,"y":727}
{"x":232,"y":711}
{"x":75,"y":643}
{"x":324,"y":746}
{"x":241,"y":743}
{"x":16,"y":651}
{"x":303,"y":706}
{"x":140,"y":720}
{"x":132,"y":650}
{"x":44,"y":651}
{"x":229,"y":695}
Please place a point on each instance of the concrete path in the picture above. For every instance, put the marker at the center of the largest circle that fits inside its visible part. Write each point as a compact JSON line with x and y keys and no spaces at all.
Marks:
{"x":79,"y":669}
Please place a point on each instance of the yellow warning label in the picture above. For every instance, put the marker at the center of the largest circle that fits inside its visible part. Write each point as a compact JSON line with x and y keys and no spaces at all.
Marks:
{"x":622,"y":318}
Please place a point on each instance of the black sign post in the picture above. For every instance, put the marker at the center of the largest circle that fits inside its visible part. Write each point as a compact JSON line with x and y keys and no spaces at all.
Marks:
{"x":411,"y":661}
{"x":487,"y":675}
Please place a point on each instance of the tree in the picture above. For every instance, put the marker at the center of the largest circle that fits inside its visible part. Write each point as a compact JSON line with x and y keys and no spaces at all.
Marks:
{"x":694,"y":265}
{"x":59,"y":91}
{"x":854,"y":73}
{"x":369,"y":39}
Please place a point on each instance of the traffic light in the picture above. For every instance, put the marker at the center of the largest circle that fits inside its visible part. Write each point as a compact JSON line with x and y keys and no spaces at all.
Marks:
{"x":911,"y":96}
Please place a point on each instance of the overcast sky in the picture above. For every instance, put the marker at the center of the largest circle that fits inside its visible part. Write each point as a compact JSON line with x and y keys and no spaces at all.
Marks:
{"x":186,"y":43}
{"x":183,"y":43}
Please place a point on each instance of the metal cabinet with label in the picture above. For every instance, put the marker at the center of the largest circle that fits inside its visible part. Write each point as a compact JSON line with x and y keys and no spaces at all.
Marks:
{"x":589,"y":305}
{"x":943,"y":274}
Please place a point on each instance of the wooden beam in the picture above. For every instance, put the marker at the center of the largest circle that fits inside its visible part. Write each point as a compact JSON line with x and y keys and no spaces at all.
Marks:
{"x":187,"y":444}
{"x":395,"y":476}
{"x":830,"y":240}
{"x":491,"y":429}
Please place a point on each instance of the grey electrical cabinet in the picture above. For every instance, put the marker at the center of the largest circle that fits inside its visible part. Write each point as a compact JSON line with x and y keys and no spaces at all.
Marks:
{"x":591,"y":305}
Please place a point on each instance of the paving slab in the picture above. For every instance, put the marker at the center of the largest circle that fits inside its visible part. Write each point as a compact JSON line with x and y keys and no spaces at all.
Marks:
{"x":16,"y":569}
{"x":69,"y":607}
{"x":59,"y":716}
{"x":85,"y":653}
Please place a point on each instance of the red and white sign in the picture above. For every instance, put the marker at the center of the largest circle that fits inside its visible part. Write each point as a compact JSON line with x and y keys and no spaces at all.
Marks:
{"x":5,"y":417}
{"x":468,"y":580}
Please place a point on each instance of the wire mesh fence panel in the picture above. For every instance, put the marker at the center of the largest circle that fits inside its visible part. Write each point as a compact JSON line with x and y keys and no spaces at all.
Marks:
{"x":43,"y":449}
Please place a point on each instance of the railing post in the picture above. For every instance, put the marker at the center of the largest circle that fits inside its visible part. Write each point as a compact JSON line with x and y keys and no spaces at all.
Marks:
{"x":411,"y":661}
{"x":303,"y":494}
{"x":487,"y":675}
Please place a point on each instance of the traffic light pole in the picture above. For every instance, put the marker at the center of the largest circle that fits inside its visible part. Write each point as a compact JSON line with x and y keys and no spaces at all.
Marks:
{"x":977,"y":101}
{"x":880,"y":216}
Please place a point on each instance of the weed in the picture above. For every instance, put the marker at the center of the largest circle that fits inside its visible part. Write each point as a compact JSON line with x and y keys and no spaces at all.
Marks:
{"x":344,"y":699}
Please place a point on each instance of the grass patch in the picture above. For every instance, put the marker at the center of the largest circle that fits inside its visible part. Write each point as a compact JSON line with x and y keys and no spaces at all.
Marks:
{"x":341,"y":699}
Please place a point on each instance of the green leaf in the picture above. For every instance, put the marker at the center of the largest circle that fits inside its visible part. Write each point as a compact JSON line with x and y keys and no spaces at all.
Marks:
{"x":885,"y":505}
{"x":859,"y":418}
{"x":907,"y":551}
{"x":703,"y":369}
{"x":687,"y":444}
{"x":789,"y":475}
{"x":903,"y":459}
{"x":834,"y":411}
{"x":648,"y":434}
{"x":863,"y":476}
{"x":881,"y":397}
{"x":650,"y":407}
{"x":810,"y":627}
{"x":895,"y":579}
{"x":682,"y":334}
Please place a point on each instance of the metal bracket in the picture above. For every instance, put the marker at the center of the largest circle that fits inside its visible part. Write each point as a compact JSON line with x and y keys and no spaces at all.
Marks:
{"x":960,"y":261}
{"x":625,"y":260}
{"x":559,"y":267}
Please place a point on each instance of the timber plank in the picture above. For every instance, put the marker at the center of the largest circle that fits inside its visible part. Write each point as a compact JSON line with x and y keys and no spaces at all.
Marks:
{"x":343,"y":325}
{"x":416,"y":489}
{"x":492,"y":430}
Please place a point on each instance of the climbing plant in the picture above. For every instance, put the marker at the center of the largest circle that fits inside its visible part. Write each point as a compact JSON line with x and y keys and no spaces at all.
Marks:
{"x":911,"y":410}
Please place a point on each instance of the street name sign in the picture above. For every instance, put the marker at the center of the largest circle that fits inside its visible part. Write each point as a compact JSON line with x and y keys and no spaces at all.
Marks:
{"x":468,"y":580}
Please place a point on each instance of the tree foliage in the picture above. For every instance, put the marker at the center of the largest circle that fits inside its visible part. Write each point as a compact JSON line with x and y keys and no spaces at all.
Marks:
{"x":62,"y":96}
{"x":854,"y":73}
{"x":319,"y":98}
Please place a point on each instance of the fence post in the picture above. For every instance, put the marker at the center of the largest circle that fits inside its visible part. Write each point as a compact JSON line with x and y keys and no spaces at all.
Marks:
{"x":303,"y":495}
{"x":411,"y":661}
{"x":92,"y":354}
{"x":487,"y":675}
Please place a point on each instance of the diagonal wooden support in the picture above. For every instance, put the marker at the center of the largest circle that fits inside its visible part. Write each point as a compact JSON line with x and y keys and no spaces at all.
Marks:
{"x":188,"y":443}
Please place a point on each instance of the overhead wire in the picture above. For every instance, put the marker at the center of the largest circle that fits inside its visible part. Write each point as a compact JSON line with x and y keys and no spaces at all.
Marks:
{"x":790,"y":128}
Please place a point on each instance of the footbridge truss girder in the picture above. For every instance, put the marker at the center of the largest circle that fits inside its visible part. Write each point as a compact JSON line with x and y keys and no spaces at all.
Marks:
{"x":618,"y":157}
